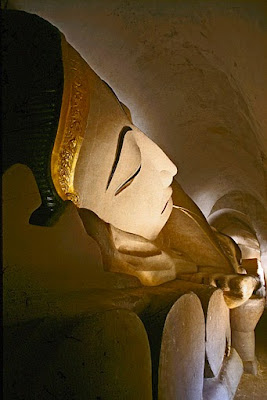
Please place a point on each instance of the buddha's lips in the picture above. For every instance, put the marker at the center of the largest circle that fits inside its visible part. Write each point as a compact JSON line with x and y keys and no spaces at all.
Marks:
{"x":168,"y":199}
{"x":167,"y":196}
{"x":165,"y":207}
{"x":167,"y":202}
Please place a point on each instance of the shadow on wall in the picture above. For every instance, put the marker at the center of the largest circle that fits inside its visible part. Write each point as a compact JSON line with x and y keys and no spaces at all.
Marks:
{"x":40,"y":261}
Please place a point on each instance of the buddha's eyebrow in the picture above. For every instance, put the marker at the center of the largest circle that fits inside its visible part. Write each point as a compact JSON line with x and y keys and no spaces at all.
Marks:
{"x":122,"y":134}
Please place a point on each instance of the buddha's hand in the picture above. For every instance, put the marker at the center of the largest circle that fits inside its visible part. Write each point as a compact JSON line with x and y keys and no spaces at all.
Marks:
{"x":237,"y":288}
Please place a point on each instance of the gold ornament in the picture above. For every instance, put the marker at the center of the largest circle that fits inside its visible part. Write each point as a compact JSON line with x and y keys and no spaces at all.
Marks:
{"x":72,"y":122}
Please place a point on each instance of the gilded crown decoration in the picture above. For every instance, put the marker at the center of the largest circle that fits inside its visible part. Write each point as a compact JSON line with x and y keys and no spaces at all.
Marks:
{"x":72,"y":123}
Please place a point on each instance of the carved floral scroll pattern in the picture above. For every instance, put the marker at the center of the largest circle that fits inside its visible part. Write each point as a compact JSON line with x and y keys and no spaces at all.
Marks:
{"x":74,"y":113}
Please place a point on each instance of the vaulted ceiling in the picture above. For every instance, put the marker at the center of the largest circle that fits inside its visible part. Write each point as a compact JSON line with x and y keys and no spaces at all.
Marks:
{"x":193,"y":75}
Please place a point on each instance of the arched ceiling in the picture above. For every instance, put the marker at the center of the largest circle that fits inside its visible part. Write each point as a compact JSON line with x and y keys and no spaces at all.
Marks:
{"x":193,"y":74}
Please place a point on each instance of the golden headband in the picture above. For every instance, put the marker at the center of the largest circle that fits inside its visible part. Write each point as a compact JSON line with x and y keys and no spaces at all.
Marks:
{"x":72,"y":122}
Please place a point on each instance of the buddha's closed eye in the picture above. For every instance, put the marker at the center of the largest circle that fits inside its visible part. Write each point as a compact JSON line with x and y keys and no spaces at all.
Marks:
{"x":125,"y":184}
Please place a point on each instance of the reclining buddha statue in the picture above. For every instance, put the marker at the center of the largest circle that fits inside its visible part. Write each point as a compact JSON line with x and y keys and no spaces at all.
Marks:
{"x":67,"y":125}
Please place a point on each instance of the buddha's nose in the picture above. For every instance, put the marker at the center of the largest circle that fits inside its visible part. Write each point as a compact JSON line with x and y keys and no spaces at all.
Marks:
{"x":167,"y":174}
{"x":161,"y":162}
{"x":164,"y":165}
{"x":166,"y":178}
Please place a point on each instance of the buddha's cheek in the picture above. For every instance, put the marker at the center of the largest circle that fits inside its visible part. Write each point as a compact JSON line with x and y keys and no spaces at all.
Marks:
{"x":134,"y":213}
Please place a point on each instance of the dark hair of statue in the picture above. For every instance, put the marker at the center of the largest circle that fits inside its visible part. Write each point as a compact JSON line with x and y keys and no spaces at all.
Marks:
{"x":32,"y":89}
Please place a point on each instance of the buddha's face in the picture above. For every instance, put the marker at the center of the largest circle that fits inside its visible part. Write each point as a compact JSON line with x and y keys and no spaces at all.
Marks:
{"x":121,"y":175}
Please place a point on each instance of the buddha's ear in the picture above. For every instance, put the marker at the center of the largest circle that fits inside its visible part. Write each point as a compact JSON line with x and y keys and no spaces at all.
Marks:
{"x":127,"y":111}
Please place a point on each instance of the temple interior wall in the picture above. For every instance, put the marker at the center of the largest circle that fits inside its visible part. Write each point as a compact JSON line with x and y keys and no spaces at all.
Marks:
{"x":193,"y":75}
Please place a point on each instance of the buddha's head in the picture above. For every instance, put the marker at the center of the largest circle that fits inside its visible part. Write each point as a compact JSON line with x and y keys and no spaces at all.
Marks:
{"x":116,"y":170}
{"x":98,"y":159}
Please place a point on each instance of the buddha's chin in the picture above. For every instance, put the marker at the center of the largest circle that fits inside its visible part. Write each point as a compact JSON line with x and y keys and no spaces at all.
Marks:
{"x":147,"y":226}
{"x":156,"y":227}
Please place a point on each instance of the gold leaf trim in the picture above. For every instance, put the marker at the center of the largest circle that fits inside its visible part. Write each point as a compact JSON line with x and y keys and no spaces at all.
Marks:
{"x":72,"y":122}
